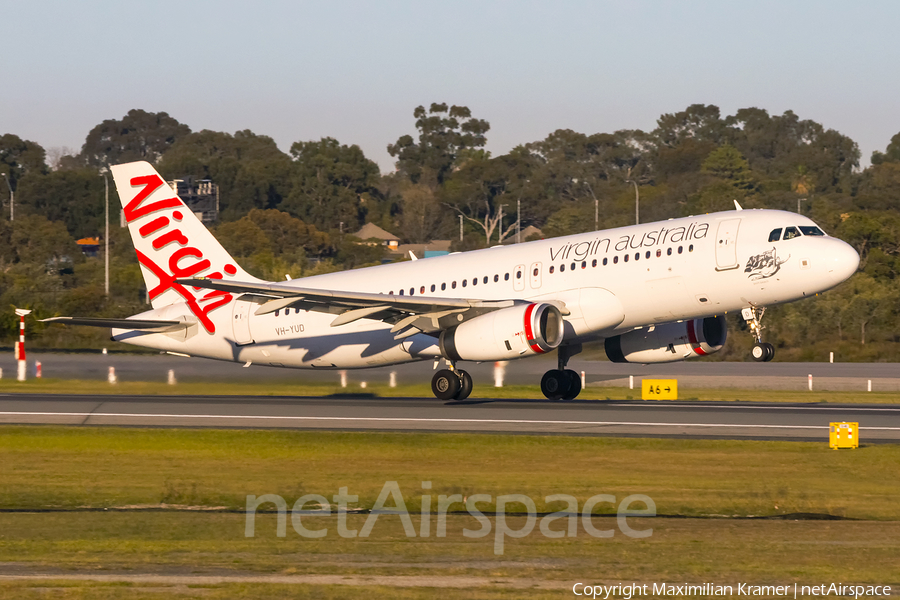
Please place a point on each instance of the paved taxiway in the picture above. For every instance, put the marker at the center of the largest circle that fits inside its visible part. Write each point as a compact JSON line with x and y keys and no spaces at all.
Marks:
{"x":635,"y":418}
{"x":885,"y":377}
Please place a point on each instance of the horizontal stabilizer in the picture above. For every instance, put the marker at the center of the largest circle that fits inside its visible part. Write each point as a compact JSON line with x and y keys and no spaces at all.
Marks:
{"x":136,"y":324}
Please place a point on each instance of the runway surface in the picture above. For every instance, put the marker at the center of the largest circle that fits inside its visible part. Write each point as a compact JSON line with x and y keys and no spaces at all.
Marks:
{"x":878,"y":423}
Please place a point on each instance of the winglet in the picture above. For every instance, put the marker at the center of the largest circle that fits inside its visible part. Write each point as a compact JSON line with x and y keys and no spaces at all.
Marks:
{"x":737,"y":206}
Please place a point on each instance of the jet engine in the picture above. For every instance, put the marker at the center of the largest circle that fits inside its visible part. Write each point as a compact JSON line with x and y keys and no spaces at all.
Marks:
{"x":668,"y":342}
{"x":504,"y":334}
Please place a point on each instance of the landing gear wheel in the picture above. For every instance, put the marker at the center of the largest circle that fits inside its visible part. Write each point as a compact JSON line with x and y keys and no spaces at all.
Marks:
{"x":465,"y":385}
{"x":574,"y":384}
{"x":555,"y":384}
{"x":763,"y":352}
{"x":759,"y":352}
{"x":446,"y":384}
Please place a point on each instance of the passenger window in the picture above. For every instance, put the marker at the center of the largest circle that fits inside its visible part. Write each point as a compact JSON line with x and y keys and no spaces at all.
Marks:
{"x":811,"y":230}
{"x":496,"y":278}
{"x":552,"y":268}
{"x":465,"y":282}
{"x":276,"y":312}
{"x":453,"y":285}
{"x":474,"y":281}
{"x":535,"y":272}
{"x":605,"y":261}
{"x":658,"y":253}
{"x":775,"y":235}
{"x":594,"y":263}
{"x":573,"y":266}
{"x":562,"y":268}
{"x":790,"y":233}
{"x":647,"y":255}
{"x":443,"y":286}
{"x":422,"y":289}
{"x":485,"y":279}
{"x":637,"y":256}
{"x":615,"y":260}
{"x":391,"y":292}
{"x":506,"y":277}
{"x":432,"y":287}
{"x":669,"y":252}
{"x":583,"y":264}
{"x":626,"y":257}
{"x":680,"y":248}
{"x":412,"y":291}
{"x":691,"y":248}
{"x":401,"y":292}
{"x":518,"y":274}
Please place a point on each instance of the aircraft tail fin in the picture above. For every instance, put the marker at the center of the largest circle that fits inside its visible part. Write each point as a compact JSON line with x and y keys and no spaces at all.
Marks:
{"x":171,"y":242}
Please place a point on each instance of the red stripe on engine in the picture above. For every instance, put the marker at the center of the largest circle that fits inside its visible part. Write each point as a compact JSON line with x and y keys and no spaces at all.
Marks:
{"x":529,"y":333}
{"x":692,"y":337}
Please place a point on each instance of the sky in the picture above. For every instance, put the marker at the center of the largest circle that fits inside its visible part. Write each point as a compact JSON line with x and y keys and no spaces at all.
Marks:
{"x":354,"y":70}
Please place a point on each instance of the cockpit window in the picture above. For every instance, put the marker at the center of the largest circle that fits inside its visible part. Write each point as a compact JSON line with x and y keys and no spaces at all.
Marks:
{"x":775,"y":235}
{"x":790,"y":233}
{"x":811,"y":230}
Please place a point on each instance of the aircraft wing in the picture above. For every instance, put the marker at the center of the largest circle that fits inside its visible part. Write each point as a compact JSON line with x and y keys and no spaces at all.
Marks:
{"x":149,"y":325}
{"x":408,"y":314}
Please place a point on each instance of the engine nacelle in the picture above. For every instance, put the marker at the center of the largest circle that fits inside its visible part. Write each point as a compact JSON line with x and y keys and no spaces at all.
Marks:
{"x":668,"y":342}
{"x":504,"y":334}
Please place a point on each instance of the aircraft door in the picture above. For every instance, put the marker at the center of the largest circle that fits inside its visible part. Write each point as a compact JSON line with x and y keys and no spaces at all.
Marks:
{"x":536,"y":276}
{"x":240,"y":322}
{"x":519,"y":278}
{"x":726,"y":245}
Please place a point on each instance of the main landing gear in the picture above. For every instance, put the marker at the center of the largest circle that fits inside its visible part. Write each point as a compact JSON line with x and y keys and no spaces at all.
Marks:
{"x":562,"y":383}
{"x":762,"y":351}
{"x":451,"y":384}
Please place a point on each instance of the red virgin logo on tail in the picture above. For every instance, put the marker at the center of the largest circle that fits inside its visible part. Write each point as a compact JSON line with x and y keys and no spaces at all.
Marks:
{"x":187,"y":261}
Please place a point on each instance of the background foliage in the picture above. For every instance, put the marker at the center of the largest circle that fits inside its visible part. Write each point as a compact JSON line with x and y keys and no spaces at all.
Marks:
{"x":293,"y":213}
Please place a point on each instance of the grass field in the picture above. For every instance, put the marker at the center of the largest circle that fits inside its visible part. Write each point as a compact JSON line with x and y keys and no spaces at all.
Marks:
{"x":67,"y":386}
{"x":120,"y":503}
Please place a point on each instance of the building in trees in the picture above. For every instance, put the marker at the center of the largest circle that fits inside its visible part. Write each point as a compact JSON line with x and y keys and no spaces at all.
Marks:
{"x":202,"y":197}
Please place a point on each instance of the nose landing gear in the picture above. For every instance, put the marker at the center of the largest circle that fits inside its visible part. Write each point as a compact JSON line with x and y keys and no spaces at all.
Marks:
{"x":562,"y":383}
{"x":762,"y":351}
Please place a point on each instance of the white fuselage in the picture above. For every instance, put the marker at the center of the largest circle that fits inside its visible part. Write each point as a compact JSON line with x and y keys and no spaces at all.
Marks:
{"x":610,"y":281}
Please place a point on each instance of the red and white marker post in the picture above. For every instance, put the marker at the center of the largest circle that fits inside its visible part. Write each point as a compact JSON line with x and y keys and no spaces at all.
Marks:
{"x":20,"y":345}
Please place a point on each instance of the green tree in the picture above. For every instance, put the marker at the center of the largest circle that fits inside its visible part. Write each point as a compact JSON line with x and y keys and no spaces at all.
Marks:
{"x":73,"y":197}
{"x":18,"y":158}
{"x":249,"y":169}
{"x":331,"y":184}
{"x":139,"y":135}
{"x":288,"y":235}
{"x":447,"y":137}
{"x":891,"y":154}
{"x":725,"y":162}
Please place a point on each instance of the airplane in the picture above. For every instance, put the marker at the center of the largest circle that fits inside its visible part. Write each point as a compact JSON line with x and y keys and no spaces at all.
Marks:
{"x":654,"y":292}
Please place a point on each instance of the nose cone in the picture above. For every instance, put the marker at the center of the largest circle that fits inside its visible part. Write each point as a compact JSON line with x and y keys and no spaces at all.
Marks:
{"x":842,"y":261}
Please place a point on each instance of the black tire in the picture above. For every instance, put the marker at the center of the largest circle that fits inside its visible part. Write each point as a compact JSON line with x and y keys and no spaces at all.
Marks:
{"x":574,"y":384}
{"x":555,"y":384}
{"x":770,"y":351}
{"x":465,"y":385}
{"x":759,"y":352}
{"x":445,"y":384}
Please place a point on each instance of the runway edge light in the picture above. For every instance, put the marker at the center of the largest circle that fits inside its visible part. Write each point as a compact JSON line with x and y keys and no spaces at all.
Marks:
{"x":843,"y":435}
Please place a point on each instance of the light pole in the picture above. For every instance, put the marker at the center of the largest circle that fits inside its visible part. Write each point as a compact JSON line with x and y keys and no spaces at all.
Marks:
{"x":518,"y":221}
{"x":799,"y":200}
{"x":12,"y":198}
{"x":637,"y":202}
{"x":460,"y":227}
{"x":106,"y":232}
